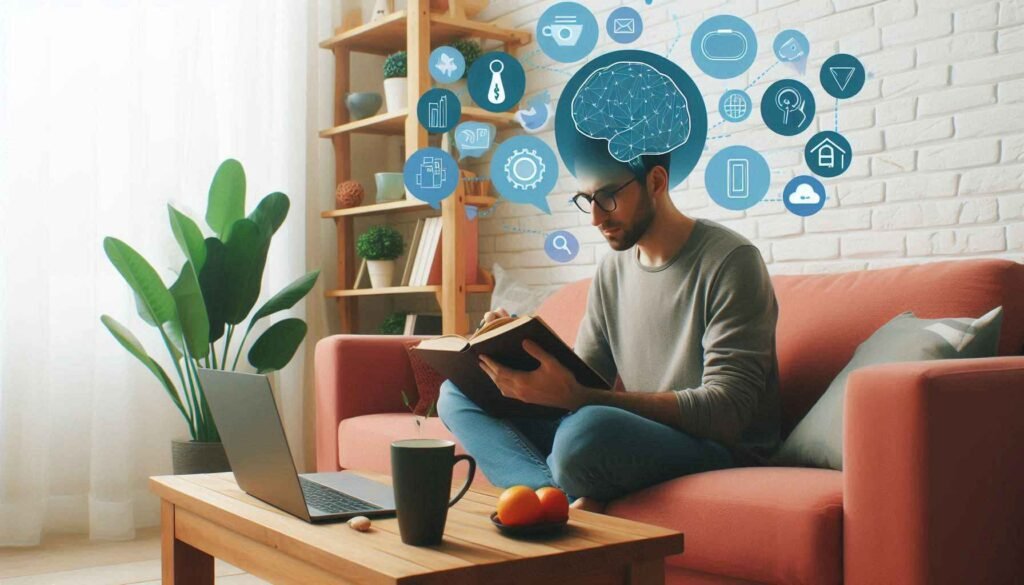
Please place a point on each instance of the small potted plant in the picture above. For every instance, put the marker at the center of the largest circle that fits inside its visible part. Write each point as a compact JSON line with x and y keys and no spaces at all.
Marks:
{"x":393,"y":324}
{"x":396,"y":86}
{"x":379,"y":246}
{"x":471,"y":51}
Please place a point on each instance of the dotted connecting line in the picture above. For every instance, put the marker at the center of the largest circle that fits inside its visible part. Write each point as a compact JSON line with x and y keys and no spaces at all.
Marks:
{"x":837,"y":115}
{"x":720,"y":136}
{"x":512,"y":228}
{"x":528,"y":60}
{"x":719,"y":123}
{"x":475,"y":179}
{"x":763,"y":73}
{"x":679,"y":34}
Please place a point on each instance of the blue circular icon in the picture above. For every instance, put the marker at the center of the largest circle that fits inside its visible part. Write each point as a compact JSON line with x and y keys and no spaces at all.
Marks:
{"x":737,"y":178}
{"x":561,"y":246}
{"x":447,"y":65}
{"x":842,"y":76}
{"x":828,"y":154}
{"x":735,"y":105}
{"x":524,"y":169}
{"x":624,"y":25}
{"x":439,"y":110}
{"x":431,"y":174}
{"x":567,"y":32}
{"x":804,"y":195}
{"x":787,"y":107}
{"x":791,"y":46}
{"x":496,"y":81}
{"x":724,"y":46}
{"x":595,"y":122}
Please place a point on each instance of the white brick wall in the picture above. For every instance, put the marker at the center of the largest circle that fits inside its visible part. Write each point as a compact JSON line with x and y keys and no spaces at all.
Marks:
{"x":937,"y":133}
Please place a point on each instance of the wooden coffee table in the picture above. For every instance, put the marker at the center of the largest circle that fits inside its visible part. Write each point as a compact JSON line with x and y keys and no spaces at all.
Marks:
{"x":207,"y":516}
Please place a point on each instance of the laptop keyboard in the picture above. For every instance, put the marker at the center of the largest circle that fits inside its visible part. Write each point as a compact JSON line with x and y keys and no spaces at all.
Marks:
{"x":331,"y":501}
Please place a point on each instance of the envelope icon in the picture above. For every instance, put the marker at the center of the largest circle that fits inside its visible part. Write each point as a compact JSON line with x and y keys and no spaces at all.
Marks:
{"x":624,"y":26}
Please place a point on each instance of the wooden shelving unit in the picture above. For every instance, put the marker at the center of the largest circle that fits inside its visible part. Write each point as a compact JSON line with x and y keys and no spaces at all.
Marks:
{"x":414,"y":30}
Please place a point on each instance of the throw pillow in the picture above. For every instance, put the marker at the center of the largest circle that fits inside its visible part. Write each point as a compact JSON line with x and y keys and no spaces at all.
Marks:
{"x":514,"y":296}
{"x":817,"y":441}
{"x":428,"y":381}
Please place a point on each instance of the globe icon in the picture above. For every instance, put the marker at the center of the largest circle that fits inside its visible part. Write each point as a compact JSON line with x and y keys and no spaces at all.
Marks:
{"x":734,"y":105}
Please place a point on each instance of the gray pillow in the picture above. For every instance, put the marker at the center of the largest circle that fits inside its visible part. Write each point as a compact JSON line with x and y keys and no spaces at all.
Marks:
{"x":817,"y":441}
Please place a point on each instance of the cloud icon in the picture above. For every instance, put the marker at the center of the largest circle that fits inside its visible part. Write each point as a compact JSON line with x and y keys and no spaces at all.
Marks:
{"x":633,"y":106}
{"x":805,"y":195}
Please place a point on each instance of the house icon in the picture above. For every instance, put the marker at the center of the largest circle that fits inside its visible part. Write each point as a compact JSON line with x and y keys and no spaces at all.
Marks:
{"x":827,"y":152}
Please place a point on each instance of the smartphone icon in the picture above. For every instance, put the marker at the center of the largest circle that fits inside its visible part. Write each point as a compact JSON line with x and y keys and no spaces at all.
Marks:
{"x":737,"y":178}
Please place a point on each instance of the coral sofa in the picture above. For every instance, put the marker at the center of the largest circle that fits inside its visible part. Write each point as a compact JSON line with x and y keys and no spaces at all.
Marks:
{"x":931,"y":489}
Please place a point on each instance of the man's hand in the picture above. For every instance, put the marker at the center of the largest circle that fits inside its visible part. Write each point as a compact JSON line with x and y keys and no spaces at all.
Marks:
{"x":552,"y":384}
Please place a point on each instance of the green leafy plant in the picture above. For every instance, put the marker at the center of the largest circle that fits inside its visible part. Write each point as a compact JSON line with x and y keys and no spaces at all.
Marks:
{"x":217,"y":287}
{"x":380,"y":242}
{"x":470,"y":50}
{"x":412,"y":409}
{"x":396,"y":65}
{"x":393,"y":324}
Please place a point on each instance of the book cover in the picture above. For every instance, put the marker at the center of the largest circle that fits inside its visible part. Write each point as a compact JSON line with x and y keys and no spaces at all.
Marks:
{"x":456,"y":358}
{"x":410,"y":255}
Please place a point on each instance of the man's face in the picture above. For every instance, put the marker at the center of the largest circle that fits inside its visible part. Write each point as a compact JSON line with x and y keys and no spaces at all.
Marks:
{"x":633,"y":213}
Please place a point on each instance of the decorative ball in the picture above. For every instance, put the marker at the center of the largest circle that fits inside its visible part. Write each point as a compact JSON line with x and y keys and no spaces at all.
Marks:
{"x":349,"y":194}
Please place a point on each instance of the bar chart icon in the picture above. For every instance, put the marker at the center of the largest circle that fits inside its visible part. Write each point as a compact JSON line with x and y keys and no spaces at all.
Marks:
{"x":437,"y":113}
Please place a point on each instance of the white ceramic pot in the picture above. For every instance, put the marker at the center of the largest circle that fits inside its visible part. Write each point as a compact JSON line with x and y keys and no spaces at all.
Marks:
{"x":382,"y":272}
{"x":396,"y":93}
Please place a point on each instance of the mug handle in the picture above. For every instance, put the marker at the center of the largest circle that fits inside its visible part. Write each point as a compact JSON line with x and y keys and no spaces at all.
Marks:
{"x":469,"y":478}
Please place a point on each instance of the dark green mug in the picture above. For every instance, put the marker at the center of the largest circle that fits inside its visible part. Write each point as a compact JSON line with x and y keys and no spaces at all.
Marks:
{"x":421,"y":472}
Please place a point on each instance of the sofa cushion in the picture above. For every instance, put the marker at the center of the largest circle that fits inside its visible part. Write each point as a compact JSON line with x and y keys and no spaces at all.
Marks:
{"x":564,"y":310}
{"x":763,"y":524}
{"x":364,"y":442}
{"x":824,"y":317}
{"x":817,"y":441}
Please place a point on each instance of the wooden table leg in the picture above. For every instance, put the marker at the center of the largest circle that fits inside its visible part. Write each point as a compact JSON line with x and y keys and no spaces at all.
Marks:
{"x":649,"y":572}
{"x":181,"y":563}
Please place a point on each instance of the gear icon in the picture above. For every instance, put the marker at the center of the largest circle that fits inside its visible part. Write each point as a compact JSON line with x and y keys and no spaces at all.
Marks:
{"x":524,"y":169}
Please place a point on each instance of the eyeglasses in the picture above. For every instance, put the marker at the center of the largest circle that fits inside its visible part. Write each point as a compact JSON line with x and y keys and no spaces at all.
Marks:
{"x":603,"y":198}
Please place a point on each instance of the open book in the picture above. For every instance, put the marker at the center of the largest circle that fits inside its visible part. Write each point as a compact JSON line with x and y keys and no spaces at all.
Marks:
{"x":455,"y":357}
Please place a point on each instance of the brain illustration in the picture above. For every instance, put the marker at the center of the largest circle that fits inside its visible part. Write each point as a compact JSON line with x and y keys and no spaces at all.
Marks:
{"x":633,"y":106}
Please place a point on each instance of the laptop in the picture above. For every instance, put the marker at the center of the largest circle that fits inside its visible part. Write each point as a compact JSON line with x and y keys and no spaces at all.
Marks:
{"x":250,"y":427}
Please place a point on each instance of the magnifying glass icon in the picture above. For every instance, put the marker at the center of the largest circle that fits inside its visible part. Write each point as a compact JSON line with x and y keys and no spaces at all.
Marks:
{"x":560,"y":243}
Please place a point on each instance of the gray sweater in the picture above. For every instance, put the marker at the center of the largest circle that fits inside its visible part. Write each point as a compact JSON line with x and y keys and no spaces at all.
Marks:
{"x":702,"y":325}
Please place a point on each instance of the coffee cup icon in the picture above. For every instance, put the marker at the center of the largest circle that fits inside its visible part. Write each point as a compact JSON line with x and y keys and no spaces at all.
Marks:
{"x":564,"y":31}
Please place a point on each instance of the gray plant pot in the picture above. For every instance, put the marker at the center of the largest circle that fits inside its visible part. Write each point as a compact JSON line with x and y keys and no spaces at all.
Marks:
{"x":188,"y":457}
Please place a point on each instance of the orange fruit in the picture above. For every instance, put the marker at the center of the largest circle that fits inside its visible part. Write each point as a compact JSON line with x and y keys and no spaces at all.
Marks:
{"x":554,"y":503}
{"x":519,"y":505}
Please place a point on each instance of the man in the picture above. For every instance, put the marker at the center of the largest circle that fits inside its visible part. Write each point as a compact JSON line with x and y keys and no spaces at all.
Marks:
{"x":683,"y":312}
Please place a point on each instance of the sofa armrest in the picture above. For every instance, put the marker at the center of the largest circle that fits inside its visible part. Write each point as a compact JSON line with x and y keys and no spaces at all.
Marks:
{"x":357,"y":375}
{"x":933,"y":471}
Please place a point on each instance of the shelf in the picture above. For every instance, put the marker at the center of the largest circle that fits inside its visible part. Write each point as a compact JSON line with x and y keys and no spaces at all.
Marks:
{"x":399,"y":290}
{"x":481,"y":201}
{"x":387,"y":35}
{"x":393,"y":123}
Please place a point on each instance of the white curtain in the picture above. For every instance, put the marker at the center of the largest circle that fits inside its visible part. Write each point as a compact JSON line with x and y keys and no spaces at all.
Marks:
{"x":110,"y":109}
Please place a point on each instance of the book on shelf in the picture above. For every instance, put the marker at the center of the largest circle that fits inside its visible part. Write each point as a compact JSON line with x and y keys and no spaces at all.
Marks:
{"x":359,"y":274}
{"x":470,"y":242}
{"x":410,"y":255}
{"x":425,"y":253}
{"x":422,"y":324}
{"x":457,"y":358}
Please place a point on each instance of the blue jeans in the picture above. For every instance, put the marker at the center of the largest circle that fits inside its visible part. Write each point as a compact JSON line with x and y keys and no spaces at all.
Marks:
{"x":598,"y":451}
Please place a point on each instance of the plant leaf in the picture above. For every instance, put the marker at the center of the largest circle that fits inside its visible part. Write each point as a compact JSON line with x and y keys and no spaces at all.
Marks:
{"x":192,"y":317}
{"x":287,"y":297}
{"x":155,"y":303}
{"x":187,"y":233}
{"x":270,"y":212}
{"x":275,"y":348}
{"x":226,"y":203}
{"x":245,"y":256}
{"x":134,"y":347}
{"x":213,"y":286}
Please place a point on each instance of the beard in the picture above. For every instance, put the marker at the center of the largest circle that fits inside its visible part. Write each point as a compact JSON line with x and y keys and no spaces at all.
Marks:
{"x":631,"y":233}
